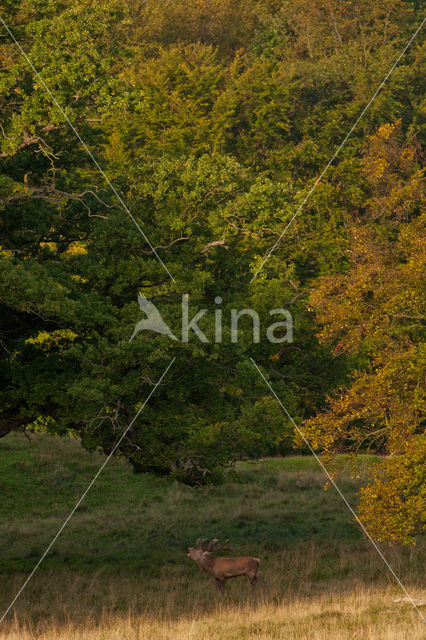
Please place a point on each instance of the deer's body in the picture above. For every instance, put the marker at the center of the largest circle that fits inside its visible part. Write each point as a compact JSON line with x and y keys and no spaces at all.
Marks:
{"x":222,"y":569}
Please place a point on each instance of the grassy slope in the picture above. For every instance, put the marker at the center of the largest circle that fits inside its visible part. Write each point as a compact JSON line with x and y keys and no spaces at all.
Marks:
{"x":125,"y":546}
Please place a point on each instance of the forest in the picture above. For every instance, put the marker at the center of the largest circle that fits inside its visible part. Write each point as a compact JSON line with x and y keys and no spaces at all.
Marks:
{"x":163,"y":149}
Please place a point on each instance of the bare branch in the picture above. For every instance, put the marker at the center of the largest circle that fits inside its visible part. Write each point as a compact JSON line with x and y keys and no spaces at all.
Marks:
{"x":27,"y":140}
{"x":167,"y":246}
{"x":214,"y":243}
{"x":51,"y":194}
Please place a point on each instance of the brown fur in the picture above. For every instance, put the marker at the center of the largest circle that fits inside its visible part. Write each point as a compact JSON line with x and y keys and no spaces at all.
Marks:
{"x":222,"y":569}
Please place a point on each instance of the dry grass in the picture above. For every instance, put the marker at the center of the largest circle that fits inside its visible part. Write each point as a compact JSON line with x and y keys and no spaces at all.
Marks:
{"x":181,"y":603}
{"x":367,"y":614}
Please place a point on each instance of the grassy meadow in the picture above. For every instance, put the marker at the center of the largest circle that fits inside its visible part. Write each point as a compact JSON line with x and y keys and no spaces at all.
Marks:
{"x":120,"y":570}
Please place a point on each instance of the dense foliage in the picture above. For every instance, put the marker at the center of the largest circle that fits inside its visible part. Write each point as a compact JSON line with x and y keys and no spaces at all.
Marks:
{"x":375,"y":309}
{"x":212,"y":119}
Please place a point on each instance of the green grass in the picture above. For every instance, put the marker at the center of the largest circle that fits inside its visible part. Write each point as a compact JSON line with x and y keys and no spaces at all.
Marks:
{"x":307,"y":463}
{"x":129,"y":520}
{"x":133,"y":530}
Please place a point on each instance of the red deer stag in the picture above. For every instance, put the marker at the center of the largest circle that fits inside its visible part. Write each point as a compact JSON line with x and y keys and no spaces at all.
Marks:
{"x":223,"y":568}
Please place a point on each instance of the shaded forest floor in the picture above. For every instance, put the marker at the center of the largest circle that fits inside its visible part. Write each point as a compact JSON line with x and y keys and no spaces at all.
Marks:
{"x":119,"y":569}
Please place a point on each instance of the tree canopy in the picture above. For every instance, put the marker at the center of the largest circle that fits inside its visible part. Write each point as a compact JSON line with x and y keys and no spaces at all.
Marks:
{"x":212,"y":120}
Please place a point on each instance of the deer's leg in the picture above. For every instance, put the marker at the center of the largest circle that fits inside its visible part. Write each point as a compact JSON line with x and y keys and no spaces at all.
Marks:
{"x":220,"y":585}
{"x":253,"y":581}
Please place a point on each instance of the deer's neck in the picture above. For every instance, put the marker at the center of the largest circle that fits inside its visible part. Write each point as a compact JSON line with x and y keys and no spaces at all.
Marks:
{"x":207,"y":563}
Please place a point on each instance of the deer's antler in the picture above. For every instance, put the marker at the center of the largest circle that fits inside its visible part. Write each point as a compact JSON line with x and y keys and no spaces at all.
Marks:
{"x":219,"y":548}
{"x":200,"y":544}
{"x":212,"y":546}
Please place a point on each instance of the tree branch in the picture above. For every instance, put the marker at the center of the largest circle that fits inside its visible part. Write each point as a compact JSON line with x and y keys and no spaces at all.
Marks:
{"x":214,"y":243}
